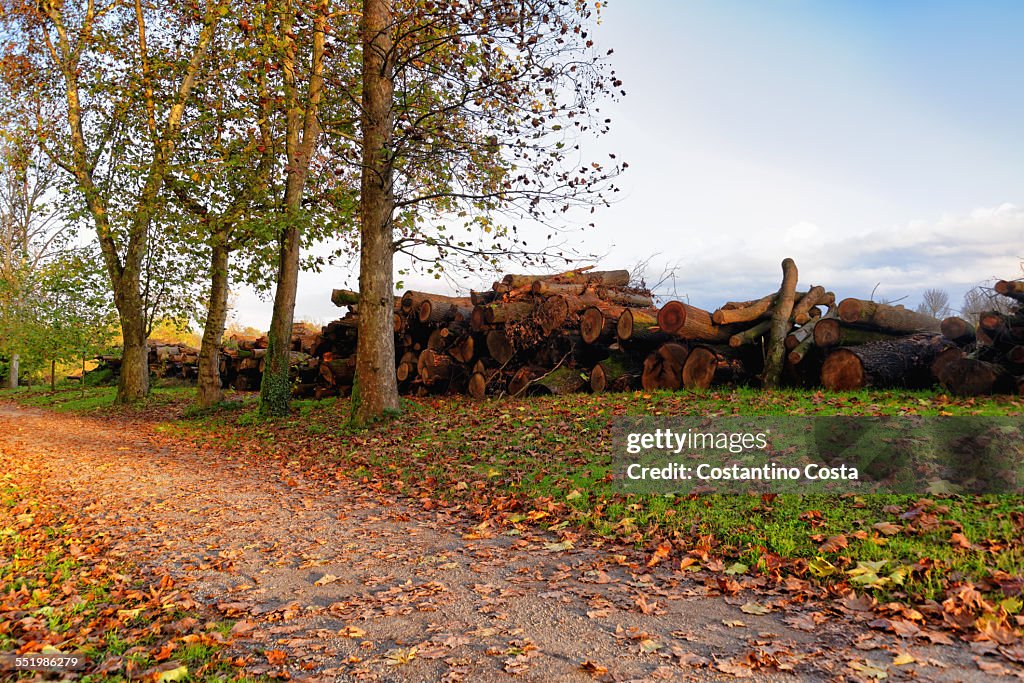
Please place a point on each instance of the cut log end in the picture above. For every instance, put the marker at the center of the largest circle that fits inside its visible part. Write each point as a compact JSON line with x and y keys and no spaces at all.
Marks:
{"x":672,"y":317}
{"x":699,"y":369}
{"x":477,"y":386}
{"x":842,"y":371}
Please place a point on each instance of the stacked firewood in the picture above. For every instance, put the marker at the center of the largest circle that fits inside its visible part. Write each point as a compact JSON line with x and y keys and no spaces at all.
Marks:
{"x":988,"y":358}
{"x":586,"y":330}
{"x":241,"y":360}
{"x":528,"y":334}
{"x":169,"y":360}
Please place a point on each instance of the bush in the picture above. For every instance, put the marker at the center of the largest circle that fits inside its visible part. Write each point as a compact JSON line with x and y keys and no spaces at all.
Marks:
{"x":100,"y":377}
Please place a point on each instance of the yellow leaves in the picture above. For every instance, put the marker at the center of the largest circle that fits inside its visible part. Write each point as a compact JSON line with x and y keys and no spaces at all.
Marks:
{"x":755,"y":608}
{"x":129,"y":613}
{"x":176,"y":674}
{"x":869,"y":669}
{"x":903,"y":659}
{"x":400,"y":657}
{"x":559,"y":547}
{"x":326,"y":579}
{"x":352,"y":632}
{"x":737,"y":568}
{"x":821,"y":567}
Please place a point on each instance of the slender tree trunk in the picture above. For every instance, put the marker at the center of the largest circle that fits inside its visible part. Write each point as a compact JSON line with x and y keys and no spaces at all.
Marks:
{"x":209,"y":391}
{"x":53,"y":376}
{"x":275,"y":390}
{"x":133,"y":384}
{"x":12,"y":373}
{"x":303,"y":135}
{"x":376,"y":390}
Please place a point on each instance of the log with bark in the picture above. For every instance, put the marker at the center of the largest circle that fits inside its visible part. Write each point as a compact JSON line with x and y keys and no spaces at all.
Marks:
{"x":904,"y":362}
{"x":663,"y":369}
{"x":618,"y":372}
{"x":886,"y":317}
{"x":775,"y":351}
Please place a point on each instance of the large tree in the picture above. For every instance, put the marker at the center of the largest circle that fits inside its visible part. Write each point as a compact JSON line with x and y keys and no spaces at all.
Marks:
{"x":471,"y":113}
{"x":296,"y":36}
{"x":107,"y":84}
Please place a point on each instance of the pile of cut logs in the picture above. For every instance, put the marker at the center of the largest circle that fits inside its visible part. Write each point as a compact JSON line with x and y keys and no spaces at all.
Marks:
{"x":171,"y":360}
{"x":241,"y":360}
{"x":587,"y":330}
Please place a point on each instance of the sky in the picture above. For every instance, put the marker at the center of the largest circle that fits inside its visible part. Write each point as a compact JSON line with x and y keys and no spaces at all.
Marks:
{"x":878,"y":144}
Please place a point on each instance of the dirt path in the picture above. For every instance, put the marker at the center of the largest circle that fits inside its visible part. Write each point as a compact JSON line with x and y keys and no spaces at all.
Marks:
{"x":478,"y":606}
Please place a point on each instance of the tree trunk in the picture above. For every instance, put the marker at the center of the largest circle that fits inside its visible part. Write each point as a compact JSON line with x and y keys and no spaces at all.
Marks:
{"x":598,"y":325}
{"x":775,"y":353}
{"x":208,"y":387}
{"x":957,"y":329}
{"x":636,"y":324}
{"x":53,"y":376}
{"x":499,"y":346}
{"x":689,"y":322}
{"x":302,"y":138}
{"x":751,"y":335}
{"x":885,"y":317}
{"x":904,"y":362}
{"x":816,"y":296}
{"x":1013,"y":289}
{"x":663,"y":369}
{"x":133,"y":382}
{"x":562,"y":380}
{"x":831,"y":332}
{"x":618,"y":372}
{"x":969,"y":377}
{"x":375,"y":391}
{"x":12,"y":373}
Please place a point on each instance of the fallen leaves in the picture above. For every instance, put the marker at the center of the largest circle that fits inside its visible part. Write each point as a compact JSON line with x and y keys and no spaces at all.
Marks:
{"x":755,"y":608}
{"x":326,"y":579}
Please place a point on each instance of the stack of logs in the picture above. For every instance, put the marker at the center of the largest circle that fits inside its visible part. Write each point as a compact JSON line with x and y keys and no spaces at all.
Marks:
{"x":170,"y":360}
{"x":528,"y":334}
{"x":585,"y":330}
{"x":241,"y":360}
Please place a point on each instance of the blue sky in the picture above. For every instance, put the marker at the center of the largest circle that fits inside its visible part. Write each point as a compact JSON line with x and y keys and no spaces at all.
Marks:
{"x":874,"y":142}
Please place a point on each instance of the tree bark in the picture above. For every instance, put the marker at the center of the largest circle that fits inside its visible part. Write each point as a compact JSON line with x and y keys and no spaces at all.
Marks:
{"x":775,"y":354}
{"x":957,"y":329}
{"x":208,"y":387}
{"x":12,"y":373}
{"x":816,"y":296}
{"x":885,"y":317}
{"x":831,"y":332}
{"x":903,"y":362}
{"x":301,"y":141}
{"x":663,"y":369}
{"x":133,"y":382}
{"x":375,"y":391}
{"x":689,"y":322}
{"x":1014,"y":289}
{"x":618,"y":372}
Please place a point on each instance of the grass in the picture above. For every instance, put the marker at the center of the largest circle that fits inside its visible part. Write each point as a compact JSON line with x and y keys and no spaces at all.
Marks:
{"x":546,"y":461}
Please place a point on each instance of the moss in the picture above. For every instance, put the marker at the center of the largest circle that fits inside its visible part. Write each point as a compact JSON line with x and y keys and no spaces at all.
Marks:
{"x":276,"y":388}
